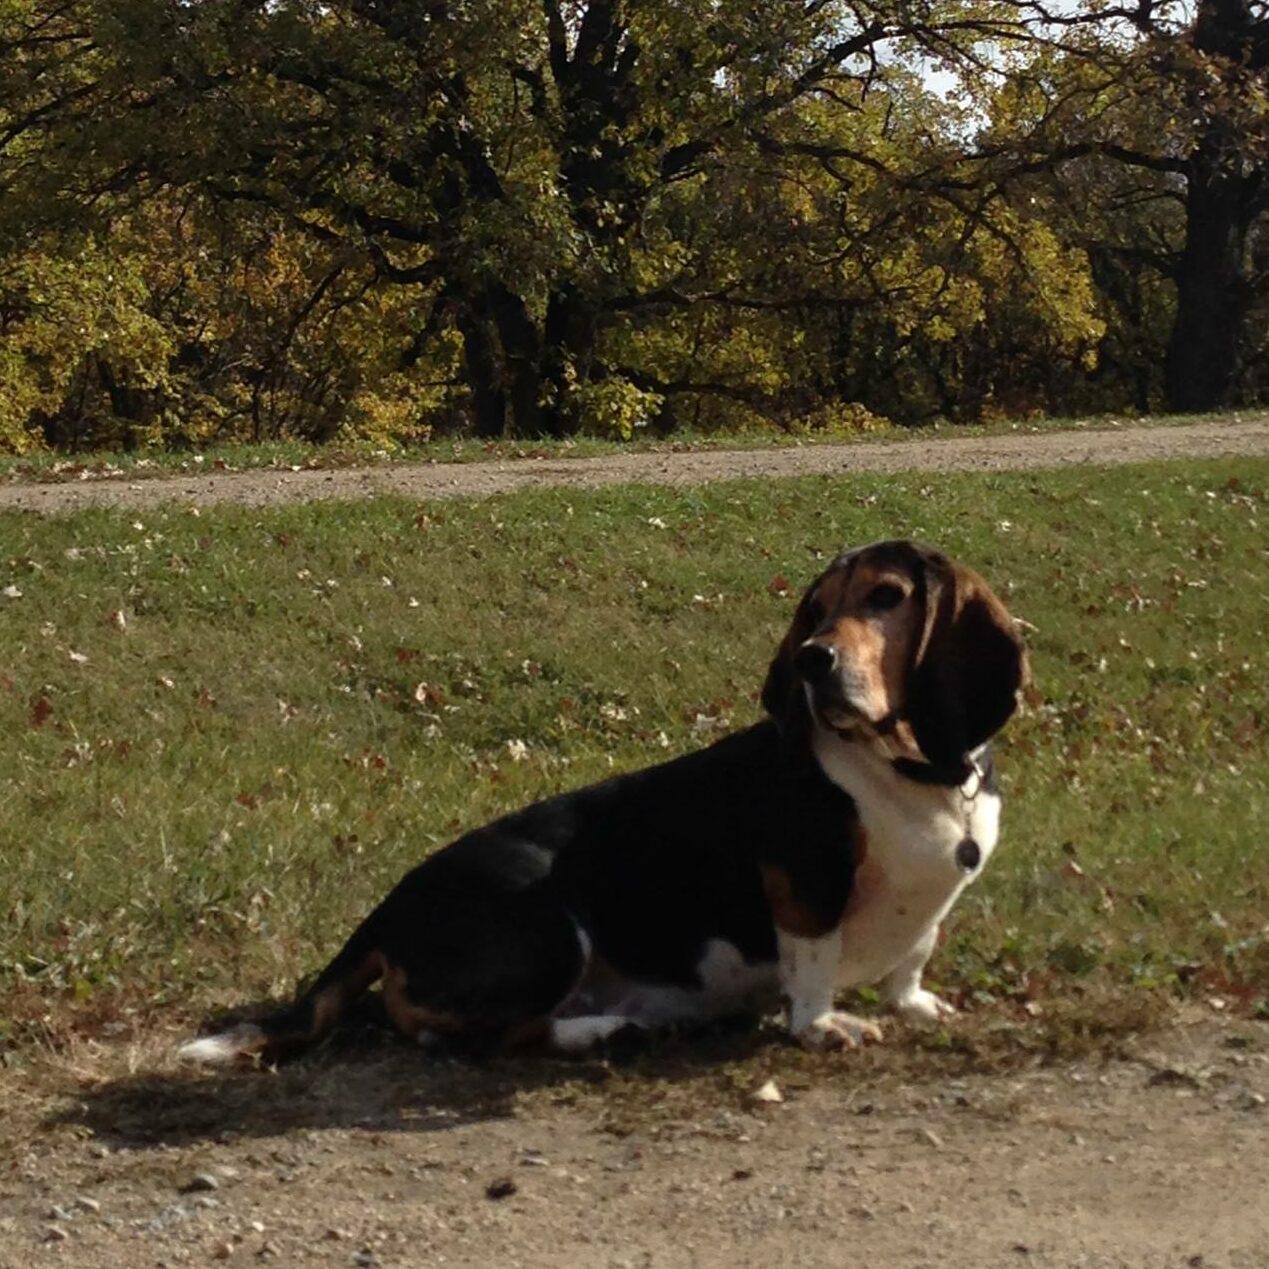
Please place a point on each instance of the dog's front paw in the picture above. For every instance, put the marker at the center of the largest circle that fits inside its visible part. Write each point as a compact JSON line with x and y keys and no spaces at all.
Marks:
{"x":923,"y":1008}
{"x":836,"y":1031}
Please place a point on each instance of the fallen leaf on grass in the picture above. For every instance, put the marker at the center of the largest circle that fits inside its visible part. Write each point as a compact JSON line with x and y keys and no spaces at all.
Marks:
{"x":769,"y":1093}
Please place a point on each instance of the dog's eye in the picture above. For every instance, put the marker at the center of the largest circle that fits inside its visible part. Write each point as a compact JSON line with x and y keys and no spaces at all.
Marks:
{"x":887,"y":595}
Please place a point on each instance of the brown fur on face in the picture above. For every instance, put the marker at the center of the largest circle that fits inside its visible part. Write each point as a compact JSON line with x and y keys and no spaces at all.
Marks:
{"x":871,"y":623}
{"x":924,"y":650}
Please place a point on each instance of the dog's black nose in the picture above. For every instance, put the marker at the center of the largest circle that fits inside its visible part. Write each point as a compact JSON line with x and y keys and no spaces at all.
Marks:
{"x":815,"y":662}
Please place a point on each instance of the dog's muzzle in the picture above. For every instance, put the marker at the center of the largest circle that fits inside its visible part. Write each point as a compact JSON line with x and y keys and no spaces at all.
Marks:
{"x":819,"y":668}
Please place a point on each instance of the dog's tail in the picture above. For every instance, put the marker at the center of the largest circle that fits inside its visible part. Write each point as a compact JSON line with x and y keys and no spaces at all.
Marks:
{"x":286,"y":1032}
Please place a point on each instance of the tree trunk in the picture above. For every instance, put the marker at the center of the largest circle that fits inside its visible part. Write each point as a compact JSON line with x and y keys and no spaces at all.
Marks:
{"x":484,"y":376}
{"x":501,"y":361}
{"x":521,"y":358}
{"x":1212,"y":292}
{"x":568,"y":347}
{"x":135,"y":407}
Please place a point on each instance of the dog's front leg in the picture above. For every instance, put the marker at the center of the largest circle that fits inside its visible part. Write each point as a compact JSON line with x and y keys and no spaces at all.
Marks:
{"x":902,"y":990}
{"x":809,"y":973}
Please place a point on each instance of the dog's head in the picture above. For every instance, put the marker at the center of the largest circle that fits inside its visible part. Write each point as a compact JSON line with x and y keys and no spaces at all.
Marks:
{"x":897,"y":633}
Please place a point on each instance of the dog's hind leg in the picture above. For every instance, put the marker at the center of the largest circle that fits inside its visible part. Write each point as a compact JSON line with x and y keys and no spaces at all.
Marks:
{"x":358,"y":964}
{"x":483,"y":965}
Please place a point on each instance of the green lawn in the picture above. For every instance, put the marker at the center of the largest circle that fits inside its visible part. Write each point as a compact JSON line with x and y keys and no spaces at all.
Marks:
{"x":200,"y":797}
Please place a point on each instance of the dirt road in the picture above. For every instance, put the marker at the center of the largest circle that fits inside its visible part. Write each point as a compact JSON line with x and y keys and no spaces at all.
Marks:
{"x":1159,"y":1157}
{"x":1209,"y":438}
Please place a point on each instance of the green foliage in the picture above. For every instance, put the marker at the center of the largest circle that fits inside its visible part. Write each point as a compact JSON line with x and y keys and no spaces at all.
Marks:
{"x":535,"y":219}
{"x":613,"y":408}
{"x":67,"y":307}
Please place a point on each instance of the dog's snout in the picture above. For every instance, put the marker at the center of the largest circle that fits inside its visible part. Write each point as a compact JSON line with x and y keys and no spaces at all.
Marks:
{"x":815,"y":661}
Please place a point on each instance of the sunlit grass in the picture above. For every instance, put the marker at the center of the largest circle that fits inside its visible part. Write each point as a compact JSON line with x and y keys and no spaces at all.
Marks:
{"x":202,"y":794}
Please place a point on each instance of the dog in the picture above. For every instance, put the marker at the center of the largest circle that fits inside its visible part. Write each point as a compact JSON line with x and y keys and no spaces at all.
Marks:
{"x":817,"y":850}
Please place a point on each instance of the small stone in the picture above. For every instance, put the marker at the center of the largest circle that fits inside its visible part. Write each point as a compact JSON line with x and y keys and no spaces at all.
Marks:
{"x":1174,"y":1077}
{"x":206,"y":1202}
{"x":365,"y":1258}
{"x":769,"y":1093}
{"x":930,"y":1137}
{"x":200,"y":1183}
{"x":56,"y":1213}
{"x":86,"y":1204}
{"x":55,"y":1234}
{"x":741,"y":1174}
{"x":223,"y":1250}
{"x":334,"y":1235}
{"x":501,"y":1187}
{"x":1021,"y":1248}
{"x":1251,"y":1101}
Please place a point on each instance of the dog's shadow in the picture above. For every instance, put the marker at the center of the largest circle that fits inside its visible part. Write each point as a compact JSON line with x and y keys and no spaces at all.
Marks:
{"x":368,"y":1077}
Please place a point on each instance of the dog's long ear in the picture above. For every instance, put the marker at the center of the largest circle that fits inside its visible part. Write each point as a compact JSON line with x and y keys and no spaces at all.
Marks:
{"x":782,"y":694}
{"x":968,"y":667}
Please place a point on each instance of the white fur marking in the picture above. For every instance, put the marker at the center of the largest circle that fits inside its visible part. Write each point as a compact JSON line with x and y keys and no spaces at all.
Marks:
{"x":221,"y":1050}
{"x":809,"y":970}
{"x":902,"y":988}
{"x":576,"y":1035}
{"x":922,"y":1008}
{"x":729,"y":985}
{"x":909,"y":878}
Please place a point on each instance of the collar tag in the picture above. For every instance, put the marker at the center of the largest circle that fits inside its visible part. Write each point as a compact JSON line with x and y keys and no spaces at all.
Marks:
{"x":968,"y":854}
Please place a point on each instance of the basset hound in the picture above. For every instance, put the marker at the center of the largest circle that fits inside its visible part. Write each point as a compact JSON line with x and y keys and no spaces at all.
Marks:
{"x":815,"y":851}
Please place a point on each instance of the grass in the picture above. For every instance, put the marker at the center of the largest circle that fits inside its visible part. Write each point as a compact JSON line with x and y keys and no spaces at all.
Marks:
{"x":227,"y":733}
{"x":297,"y":455}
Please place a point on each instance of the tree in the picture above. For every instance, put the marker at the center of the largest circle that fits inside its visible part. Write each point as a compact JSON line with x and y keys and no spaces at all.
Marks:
{"x":520,"y":163}
{"x":373,"y":217}
{"x":1162,"y":111}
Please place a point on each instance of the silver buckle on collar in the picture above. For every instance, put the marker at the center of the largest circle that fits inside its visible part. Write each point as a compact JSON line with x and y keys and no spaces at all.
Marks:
{"x":977,"y":774}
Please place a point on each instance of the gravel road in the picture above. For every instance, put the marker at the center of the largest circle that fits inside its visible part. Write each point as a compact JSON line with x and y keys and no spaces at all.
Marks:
{"x":1208,"y":439}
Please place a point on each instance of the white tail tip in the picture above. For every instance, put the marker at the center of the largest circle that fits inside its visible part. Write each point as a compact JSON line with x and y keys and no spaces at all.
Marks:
{"x":223,"y":1049}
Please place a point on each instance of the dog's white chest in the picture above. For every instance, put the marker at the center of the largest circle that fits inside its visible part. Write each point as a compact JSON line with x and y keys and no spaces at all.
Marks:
{"x":910,"y":874}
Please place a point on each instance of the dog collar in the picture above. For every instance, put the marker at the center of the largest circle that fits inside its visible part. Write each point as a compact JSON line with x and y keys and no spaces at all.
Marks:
{"x":952,"y":775}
